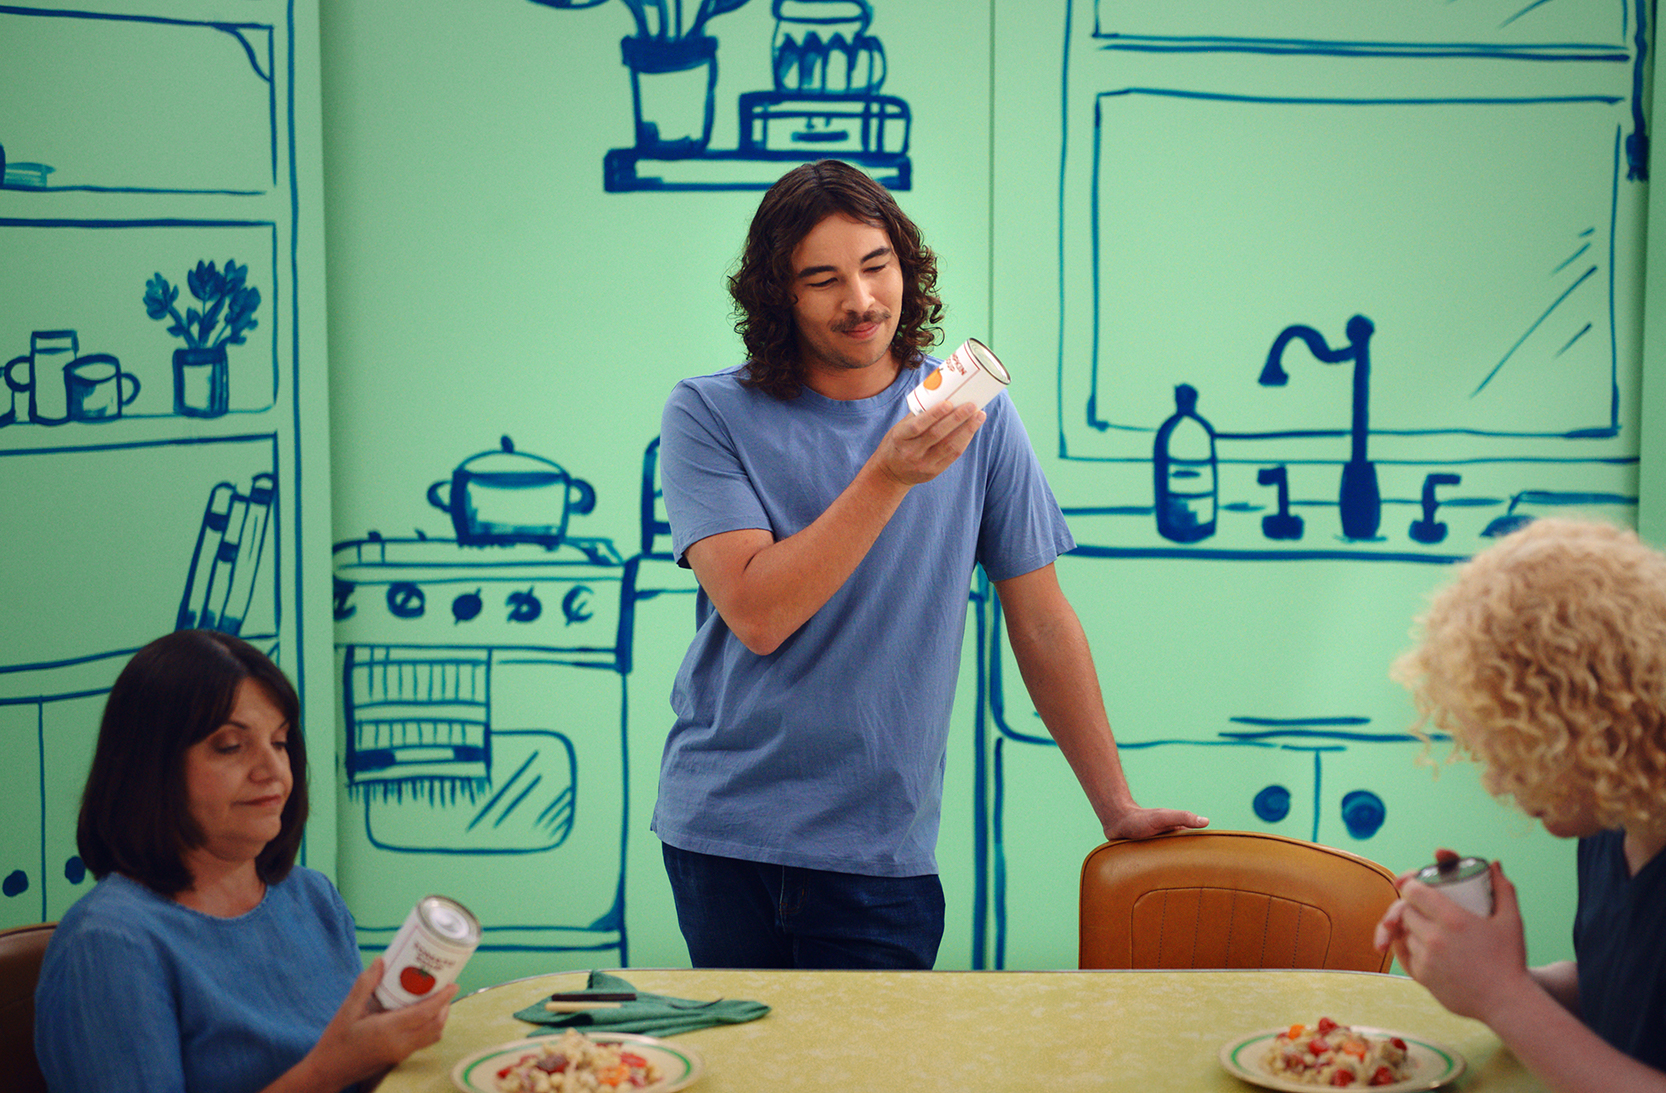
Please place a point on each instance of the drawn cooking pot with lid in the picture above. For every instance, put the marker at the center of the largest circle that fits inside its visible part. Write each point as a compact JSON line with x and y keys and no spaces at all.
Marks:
{"x":511,"y":497}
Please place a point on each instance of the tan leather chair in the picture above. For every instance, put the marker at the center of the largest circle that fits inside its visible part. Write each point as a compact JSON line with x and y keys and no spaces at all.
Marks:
{"x":1231,"y":899}
{"x":21,"y":951}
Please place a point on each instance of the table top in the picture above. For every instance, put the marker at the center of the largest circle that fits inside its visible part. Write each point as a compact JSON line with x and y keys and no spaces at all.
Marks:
{"x":973,"y":1031}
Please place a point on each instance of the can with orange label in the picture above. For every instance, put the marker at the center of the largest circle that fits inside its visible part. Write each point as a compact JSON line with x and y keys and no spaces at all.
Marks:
{"x":969,"y":374}
{"x":437,"y":939}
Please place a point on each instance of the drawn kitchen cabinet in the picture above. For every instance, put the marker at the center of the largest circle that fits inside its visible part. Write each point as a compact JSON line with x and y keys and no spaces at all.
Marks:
{"x":20,"y":806}
{"x":48,"y":723}
{"x":69,"y":729}
{"x":151,"y":443}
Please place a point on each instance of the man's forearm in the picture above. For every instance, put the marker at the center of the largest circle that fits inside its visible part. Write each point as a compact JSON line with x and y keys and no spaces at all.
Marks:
{"x":781,"y":586}
{"x":1057,"y":666}
{"x":766,"y":589}
{"x":1053,"y":657}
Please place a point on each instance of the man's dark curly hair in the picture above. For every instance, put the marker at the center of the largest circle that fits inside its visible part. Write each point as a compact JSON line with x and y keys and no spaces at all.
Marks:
{"x":762,"y":287}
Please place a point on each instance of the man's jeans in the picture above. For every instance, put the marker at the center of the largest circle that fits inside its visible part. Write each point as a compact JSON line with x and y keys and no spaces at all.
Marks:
{"x":744,"y":914}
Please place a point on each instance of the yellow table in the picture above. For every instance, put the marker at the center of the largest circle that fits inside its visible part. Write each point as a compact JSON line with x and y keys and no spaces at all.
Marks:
{"x":999,"y":1031}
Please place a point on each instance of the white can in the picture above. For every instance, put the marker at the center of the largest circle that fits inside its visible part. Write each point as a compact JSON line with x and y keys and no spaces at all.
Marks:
{"x":969,"y":374}
{"x":1465,"y":881}
{"x":437,"y":939}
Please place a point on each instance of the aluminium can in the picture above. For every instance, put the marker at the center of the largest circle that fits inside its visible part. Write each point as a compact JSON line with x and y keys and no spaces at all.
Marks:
{"x":437,"y":939}
{"x":1465,"y":881}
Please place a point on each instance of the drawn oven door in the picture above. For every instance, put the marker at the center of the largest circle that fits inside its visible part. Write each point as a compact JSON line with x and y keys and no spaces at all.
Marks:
{"x":479,"y":794}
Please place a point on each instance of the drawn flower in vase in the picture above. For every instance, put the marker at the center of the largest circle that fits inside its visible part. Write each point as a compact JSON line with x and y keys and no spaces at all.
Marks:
{"x":227,"y":304}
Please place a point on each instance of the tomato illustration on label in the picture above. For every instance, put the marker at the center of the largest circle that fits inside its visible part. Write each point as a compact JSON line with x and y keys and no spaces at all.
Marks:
{"x":415,"y":980}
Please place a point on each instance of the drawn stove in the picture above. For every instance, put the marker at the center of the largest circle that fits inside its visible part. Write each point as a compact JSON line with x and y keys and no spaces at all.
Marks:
{"x":482,"y":687}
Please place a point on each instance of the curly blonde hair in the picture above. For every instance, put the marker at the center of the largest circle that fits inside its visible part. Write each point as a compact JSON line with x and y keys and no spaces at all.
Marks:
{"x":1545,"y":660}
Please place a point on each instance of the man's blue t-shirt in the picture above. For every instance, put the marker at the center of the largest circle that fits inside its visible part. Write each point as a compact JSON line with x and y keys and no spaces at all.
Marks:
{"x":829,"y":753}
{"x":1619,"y":941}
{"x":138,"y":993}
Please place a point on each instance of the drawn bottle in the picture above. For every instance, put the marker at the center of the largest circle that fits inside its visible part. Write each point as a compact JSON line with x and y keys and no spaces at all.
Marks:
{"x":1183,"y":465}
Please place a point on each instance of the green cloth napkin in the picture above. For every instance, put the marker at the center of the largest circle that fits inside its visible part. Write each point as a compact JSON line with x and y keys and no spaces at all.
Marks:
{"x":650,"y":1014}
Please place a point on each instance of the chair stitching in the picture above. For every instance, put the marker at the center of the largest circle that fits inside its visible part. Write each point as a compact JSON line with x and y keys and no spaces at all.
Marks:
{"x":1191,"y":959}
{"x":1231,"y":922}
{"x":1162,"y":922}
{"x":1266,"y":928}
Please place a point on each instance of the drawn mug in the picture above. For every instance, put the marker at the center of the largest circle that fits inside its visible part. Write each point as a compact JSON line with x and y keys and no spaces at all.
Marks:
{"x":97,"y":388}
{"x":42,"y":375}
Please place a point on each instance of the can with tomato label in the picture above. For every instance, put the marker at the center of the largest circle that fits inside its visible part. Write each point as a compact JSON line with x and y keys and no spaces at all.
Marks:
{"x":437,"y":939}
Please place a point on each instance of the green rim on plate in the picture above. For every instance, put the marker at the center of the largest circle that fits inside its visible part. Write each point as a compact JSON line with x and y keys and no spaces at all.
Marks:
{"x":478,"y":1072}
{"x":1449,"y":1063}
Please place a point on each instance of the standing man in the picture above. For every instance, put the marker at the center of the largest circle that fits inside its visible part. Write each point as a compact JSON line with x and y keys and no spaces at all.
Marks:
{"x":834,"y":536}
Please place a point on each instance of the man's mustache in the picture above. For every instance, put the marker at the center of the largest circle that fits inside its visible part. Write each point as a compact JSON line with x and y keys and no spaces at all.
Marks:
{"x":845,"y":326}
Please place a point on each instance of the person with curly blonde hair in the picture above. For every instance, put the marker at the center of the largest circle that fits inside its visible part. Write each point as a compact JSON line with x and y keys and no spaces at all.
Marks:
{"x":833,"y":534}
{"x":1545,"y":661}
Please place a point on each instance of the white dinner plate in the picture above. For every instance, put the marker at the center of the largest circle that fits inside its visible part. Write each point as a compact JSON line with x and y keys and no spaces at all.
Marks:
{"x":680,"y":1066}
{"x":1432,"y":1065}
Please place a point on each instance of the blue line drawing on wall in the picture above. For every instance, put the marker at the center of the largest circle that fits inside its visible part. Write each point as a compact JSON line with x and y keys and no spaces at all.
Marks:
{"x":505,"y":496}
{"x":220,"y":586}
{"x":1426,"y":529}
{"x":1357,"y":163}
{"x":1183,"y":472}
{"x":227,"y":304}
{"x":1341,"y":166}
{"x":53,"y":695}
{"x":826,"y":100}
{"x":483,"y":692}
{"x":103,"y":482}
{"x":231,"y":68}
{"x":130,"y":374}
{"x":1281,"y":524}
{"x":1359,"y":500}
{"x":998,"y":740}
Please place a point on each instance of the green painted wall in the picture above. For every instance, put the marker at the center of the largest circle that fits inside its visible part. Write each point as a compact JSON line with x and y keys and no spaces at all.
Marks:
{"x":1124,"y":197}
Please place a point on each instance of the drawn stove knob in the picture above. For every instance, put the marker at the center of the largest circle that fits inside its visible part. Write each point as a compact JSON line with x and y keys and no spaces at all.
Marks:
{"x":406,"y":600}
{"x":466,"y":606}
{"x":575,"y":605}
{"x":344,"y":608}
{"x":524,"y":606}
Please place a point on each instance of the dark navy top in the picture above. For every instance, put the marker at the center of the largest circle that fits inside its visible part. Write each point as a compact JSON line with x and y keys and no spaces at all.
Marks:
{"x":1619,"y":939}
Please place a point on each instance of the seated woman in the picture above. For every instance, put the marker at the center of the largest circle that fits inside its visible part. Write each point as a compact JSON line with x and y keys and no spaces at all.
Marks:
{"x":204,"y":958}
{"x":1546,"y":661}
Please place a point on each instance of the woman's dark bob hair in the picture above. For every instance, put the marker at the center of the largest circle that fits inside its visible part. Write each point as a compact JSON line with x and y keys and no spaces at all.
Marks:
{"x":762,"y":286}
{"x":176,"y":691}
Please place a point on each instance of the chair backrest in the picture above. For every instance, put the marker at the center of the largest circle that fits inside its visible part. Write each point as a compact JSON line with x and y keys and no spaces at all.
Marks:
{"x":21,"y":951}
{"x":1231,"y":899}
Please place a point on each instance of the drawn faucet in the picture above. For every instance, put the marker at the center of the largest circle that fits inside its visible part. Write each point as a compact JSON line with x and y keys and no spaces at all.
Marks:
{"x":1361,"y":503}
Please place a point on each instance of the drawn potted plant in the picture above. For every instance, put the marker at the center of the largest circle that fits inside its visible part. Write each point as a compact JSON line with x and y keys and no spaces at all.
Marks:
{"x":227,"y":313}
{"x":673,"y":71}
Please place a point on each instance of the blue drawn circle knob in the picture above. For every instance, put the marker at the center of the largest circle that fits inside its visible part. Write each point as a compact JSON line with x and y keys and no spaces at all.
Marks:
{"x":1363,"y":813}
{"x":1272,"y":804}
